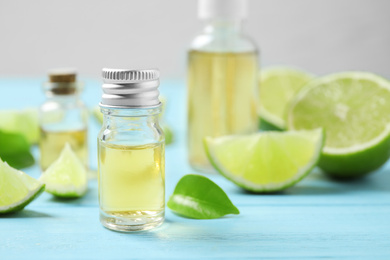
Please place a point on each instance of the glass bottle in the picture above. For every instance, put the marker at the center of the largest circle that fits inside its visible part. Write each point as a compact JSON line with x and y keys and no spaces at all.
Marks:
{"x":63,"y":118}
{"x":131,"y":153}
{"x":222,"y":78}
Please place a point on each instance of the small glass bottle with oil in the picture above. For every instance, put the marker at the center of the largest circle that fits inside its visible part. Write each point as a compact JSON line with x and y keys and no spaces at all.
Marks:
{"x":222,"y":78}
{"x":63,"y":118}
{"x":131,"y":153}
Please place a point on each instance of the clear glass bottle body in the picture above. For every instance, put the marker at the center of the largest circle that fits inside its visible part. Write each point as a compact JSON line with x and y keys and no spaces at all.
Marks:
{"x":63,"y":118}
{"x":222,"y":87}
{"x":131,"y":169}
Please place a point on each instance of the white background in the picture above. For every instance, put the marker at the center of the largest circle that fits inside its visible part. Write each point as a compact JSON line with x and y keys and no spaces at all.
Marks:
{"x":321,"y":36}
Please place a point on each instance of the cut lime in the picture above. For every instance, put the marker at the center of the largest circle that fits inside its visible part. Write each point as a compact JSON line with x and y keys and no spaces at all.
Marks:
{"x":17,"y":189}
{"x":267,"y":161}
{"x":24,"y":122}
{"x":353,"y":108}
{"x":66,"y":177}
{"x":278,"y":85}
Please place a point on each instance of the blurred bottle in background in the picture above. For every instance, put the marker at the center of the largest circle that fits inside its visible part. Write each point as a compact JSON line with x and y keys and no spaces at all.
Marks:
{"x":63,"y":118}
{"x":222,"y":78}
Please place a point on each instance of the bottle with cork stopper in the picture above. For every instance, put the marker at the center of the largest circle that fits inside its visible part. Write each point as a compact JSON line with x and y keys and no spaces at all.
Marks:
{"x":62,"y":118}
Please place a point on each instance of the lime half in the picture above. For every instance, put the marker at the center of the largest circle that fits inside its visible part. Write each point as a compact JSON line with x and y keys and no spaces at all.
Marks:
{"x":268,"y":161}
{"x":24,"y":122}
{"x":17,"y":189}
{"x":66,"y":177}
{"x":354,"y":110}
{"x":278,"y":85}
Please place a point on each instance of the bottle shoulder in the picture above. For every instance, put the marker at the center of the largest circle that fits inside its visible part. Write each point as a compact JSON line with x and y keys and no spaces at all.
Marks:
{"x":131,"y":131}
{"x":223,"y":43}
{"x":58,"y":104}
{"x":58,"y":115}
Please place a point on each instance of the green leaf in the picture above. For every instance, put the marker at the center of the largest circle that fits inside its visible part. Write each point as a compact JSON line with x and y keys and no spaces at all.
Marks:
{"x":15,"y":150}
{"x":196,"y":196}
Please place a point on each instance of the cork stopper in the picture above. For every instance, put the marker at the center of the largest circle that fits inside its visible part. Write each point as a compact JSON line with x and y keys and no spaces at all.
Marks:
{"x":65,"y":79}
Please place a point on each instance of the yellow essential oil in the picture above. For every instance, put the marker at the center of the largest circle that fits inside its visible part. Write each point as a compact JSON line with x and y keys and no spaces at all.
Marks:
{"x":131,"y":151}
{"x":221,"y":99}
{"x":132,"y":180}
{"x":52,"y":142}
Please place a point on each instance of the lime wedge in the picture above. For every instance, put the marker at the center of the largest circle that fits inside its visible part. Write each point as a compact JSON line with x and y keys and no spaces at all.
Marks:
{"x":17,"y":189}
{"x":278,"y":85}
{"x":24,"y":122}
{"x":267,"y":161}
{"x":66,"y":177}
{"x":353,"y":108}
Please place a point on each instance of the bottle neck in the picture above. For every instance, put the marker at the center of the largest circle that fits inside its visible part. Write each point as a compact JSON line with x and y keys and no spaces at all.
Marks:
{"x":120,"y":116}
{"x":68,"y":98}
{"x":223,"y":27}
{"x":63,"y":90}
{"x":131,"y":125}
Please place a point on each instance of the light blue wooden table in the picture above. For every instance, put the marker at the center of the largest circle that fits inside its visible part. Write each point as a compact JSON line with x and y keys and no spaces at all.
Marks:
{"x":318,"y":218}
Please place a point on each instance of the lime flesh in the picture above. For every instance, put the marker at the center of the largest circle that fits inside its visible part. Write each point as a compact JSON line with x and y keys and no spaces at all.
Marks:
{"x":17,"y":189}
{"x":278,"y":86}
{"x":268,"y":161}
{"x":353,"y":109}
{"x":67,"y":176}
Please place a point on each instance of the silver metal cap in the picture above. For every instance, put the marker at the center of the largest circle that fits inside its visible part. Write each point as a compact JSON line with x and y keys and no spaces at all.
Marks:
{"x":130,"y":88}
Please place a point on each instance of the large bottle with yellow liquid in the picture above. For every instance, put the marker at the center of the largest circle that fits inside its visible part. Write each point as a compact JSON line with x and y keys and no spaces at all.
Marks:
{"x":222,"y":78}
